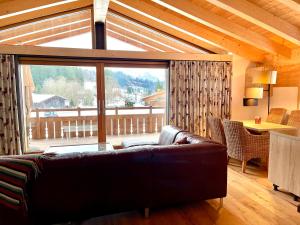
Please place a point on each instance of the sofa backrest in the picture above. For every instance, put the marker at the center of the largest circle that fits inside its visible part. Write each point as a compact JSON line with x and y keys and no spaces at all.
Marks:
{"x":94,"y":180}
{"x":192,"y":138}
{"x":76,"y":186}
{"x":168,"y":135}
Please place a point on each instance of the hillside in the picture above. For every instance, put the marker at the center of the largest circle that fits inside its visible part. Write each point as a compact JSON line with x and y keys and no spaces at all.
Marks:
{"x":41,"y":74}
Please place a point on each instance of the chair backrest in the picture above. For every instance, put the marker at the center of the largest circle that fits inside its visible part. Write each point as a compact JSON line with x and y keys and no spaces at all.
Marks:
{"x":235,"y":138}
{"x":294,"y":119}
{"x":276,"y":115}
{"x":216,"y":129}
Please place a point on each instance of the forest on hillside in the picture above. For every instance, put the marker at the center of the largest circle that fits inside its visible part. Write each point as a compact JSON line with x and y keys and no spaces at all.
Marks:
{"x":70,"y":82}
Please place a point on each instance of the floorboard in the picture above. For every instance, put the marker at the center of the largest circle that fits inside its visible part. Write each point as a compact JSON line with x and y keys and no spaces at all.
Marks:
{"x":250,"y":201}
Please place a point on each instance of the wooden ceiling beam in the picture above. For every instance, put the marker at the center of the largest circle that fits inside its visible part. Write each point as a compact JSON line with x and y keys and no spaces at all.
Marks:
{"x":100,"y":10}
{"x":184,"y":28}
{"x":144,"y":39}
{"x":162,"y":29}
{"x":260,"y":17}
{"x":59,"y":36}
{"x":129,"y":24}
{"x":165,"y":28}
{"x":292,"y":4}
{"x":29,"y":29}
{"x":17,"y":7}
{"x":195,"y":12}
{"x":37,"y":51}
{"x":44,"y":12}
{"x":49,"y":32}
{"x":130,"y":41}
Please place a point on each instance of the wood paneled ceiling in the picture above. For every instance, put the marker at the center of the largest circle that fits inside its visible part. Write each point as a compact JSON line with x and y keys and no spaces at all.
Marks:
{"x":261,"y":30}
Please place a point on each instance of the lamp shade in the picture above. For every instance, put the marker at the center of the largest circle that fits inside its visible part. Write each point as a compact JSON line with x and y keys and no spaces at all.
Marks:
{"x":250,"y":102}
{"x":262,"y":76}
{"x":254,"y":92}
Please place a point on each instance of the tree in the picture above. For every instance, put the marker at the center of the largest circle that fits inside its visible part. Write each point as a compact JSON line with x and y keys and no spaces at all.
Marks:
{"x":71,"y":73}
{"x":112,"y":89}
{"x":71,"y":90}
{"x":88,"y":98}
{"x":129,"y":90}
{"x":159,"y":86}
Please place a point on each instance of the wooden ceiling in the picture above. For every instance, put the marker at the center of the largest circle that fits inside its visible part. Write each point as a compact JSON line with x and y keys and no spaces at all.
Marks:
{"x":265,"y":31}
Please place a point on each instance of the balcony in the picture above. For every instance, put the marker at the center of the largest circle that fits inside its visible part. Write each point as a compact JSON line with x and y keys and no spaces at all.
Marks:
{"x":56,"y":127}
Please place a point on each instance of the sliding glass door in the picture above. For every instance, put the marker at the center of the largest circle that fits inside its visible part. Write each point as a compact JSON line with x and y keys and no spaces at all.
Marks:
{"x":73,"y":103}
{"x":60,"y":103}
{"x":135,"y":102}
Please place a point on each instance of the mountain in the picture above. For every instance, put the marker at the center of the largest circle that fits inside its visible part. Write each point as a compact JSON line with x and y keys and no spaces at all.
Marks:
{"x":80,"y":74}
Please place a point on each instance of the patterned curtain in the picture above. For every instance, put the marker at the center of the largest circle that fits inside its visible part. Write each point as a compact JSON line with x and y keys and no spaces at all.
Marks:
{"x":199,"y":89}
{"x":9,"y":121}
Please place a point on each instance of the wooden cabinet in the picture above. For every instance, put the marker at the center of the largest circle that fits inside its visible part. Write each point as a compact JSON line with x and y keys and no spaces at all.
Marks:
{"x":284,"y":160}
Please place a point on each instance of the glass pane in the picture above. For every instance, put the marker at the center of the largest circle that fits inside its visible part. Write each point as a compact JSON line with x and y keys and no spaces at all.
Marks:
{"x":60,"y":105}
{"x":66,"y":30}
{"x":135,"y":103}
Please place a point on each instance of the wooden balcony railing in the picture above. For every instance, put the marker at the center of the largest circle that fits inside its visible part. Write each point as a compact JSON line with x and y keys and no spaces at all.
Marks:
{"x":119,"y":121}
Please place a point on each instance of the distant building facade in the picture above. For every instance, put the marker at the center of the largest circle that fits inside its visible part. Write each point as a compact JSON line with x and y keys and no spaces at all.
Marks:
{"x":45,"y":101}
{"x":158,"y":99}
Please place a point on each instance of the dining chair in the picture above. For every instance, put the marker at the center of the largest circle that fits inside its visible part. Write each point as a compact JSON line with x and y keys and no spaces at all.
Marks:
{"x":216,"y":129}
{"x":276,"y":115}
{"x":294,"y":119}
{"x":242,"y":145}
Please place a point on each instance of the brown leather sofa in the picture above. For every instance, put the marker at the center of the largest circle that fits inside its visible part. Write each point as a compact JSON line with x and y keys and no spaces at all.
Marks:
{"x":82,"y":185}
{"x":167,"y":137}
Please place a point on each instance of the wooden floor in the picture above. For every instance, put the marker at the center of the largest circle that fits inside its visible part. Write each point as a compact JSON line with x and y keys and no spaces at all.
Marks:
{"x":250,"y":201}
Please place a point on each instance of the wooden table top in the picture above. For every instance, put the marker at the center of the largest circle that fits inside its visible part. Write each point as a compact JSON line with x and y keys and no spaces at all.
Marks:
{"x":291,"y":134}
{"x":80,"y":148}
{"x":265,"y":126}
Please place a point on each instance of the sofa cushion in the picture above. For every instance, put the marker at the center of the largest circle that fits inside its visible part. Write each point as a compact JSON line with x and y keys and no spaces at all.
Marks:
{"x":168,"y":135}
{"x":138,"y":142}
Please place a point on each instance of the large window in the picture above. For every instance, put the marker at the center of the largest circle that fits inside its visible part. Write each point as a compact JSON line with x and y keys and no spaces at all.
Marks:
{"x":135,"y":103}
{"x":64,"y":102}
{"x":60,"y":105}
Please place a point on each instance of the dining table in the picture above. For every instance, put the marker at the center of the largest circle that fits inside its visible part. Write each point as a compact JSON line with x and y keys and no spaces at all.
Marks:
{"x":265,"y":126}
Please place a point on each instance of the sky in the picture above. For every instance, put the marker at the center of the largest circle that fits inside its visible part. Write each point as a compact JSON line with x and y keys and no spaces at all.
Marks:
{"x":85,"y":41}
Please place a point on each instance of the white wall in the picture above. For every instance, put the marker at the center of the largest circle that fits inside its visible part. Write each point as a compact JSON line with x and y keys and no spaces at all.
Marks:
{"x":285,"y":97}
{"x":240,"y":112}
{"x":282,"y":97}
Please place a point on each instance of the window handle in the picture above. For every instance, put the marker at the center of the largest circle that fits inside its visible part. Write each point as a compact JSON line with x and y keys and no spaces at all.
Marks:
{"x":99,"y":107}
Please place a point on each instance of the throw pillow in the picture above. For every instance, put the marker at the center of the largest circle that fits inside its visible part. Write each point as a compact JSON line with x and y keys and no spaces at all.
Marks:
{"x":181,"y":141}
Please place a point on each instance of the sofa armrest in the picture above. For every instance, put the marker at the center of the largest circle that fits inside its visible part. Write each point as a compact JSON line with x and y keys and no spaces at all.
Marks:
{"x":10,"y":216}
{"x":187,"y":172}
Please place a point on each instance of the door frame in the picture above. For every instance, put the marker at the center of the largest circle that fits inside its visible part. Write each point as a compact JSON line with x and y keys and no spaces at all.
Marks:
{"x":100,"y":78}
{"x":99,"y":84}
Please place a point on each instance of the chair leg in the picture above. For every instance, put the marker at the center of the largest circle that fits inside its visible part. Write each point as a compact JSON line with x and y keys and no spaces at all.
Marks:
{"x":146,"y":212}
{"x":221,"y":203}
{"x":244,"y":164}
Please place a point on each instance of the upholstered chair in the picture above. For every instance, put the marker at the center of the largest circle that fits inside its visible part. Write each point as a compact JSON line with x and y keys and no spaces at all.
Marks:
{"x":242,"y":145}
{"x":294,"y":119}
{"x":276,"y":115}
{"x":216,"y":129}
